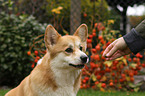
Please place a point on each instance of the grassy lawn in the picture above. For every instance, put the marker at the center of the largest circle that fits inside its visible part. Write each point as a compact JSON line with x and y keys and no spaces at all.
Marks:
{"x":3,"y":92}
{"x":90,"y":92}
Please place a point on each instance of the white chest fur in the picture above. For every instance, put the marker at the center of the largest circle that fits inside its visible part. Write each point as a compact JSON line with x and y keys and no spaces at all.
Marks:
{"x":65,"y":78}
{"x":65,"y":84}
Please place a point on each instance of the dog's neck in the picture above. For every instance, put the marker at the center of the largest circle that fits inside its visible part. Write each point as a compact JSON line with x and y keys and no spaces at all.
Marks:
{"x":65,"y":76}
{"x":62,"y":76}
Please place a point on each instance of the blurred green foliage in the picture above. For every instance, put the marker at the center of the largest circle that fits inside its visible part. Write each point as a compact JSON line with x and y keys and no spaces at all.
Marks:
{"x":17,"y":29}
{"x":96,"y":11}
{"x":15,"y":34}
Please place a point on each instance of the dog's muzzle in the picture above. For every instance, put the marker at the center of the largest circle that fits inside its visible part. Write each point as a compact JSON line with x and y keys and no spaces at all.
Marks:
{"x":84,"y":59}
{"x":80,"y":66}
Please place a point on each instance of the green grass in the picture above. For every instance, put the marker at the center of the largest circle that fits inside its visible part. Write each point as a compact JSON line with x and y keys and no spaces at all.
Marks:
{"x":90,"y":92}
{"x":3,"y":92}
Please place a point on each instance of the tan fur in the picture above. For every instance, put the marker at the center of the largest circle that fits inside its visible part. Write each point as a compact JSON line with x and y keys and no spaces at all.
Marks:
{"x":54,"y":77}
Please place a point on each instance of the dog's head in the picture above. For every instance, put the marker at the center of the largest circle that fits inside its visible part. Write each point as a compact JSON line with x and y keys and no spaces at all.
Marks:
{"x":67,"y":51}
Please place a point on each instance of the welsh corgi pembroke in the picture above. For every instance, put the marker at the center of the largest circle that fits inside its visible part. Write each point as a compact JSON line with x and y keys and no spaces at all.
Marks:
{"x":59,"y":73}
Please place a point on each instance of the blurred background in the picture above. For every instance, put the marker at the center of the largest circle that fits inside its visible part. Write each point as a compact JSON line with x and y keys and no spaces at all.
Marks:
{"x":23,"y":23}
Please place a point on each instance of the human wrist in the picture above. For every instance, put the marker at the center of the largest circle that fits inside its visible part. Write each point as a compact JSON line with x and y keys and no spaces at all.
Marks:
{"x":134,"y":41}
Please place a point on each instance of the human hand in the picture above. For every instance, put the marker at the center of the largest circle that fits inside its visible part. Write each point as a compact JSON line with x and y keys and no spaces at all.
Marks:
{"x":116,"y":49}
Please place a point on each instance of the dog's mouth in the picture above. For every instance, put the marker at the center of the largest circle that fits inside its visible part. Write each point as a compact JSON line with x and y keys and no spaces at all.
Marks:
{"x":80,"y":66}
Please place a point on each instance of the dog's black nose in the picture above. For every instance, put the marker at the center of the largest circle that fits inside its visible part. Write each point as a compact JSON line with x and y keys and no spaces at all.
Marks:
{"x":84,"y":59}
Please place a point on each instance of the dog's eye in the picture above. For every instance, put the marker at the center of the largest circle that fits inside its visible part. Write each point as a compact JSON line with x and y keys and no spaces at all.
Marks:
{"x":69,"y":50}
{"x":81,"y":48}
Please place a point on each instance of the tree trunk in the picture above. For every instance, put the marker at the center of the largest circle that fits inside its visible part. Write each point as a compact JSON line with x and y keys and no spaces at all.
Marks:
{"x":124,"y":20}
{"x":75,"y":18}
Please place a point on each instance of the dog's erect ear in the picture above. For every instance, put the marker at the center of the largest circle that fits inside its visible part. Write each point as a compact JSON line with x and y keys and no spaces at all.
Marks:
{"x":82,"y":32}
{"x":51,"y":36}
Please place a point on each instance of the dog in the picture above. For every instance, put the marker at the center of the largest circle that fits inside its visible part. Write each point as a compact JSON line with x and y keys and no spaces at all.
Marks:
{"x":59,"y":73}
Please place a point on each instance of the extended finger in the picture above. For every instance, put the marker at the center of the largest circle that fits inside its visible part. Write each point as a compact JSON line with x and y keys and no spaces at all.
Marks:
{"x":112,"y":51}
{"x":109,"y":48}
{"x":115,"y":55}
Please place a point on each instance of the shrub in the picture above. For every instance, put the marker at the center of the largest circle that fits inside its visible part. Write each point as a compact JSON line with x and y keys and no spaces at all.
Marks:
{"x":100,"y":74}
{"x":16,"y":31}
{"x":105,"y":75}
{"x":96,"y":10}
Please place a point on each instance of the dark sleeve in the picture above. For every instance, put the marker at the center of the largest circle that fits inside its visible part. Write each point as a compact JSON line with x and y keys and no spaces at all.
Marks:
{"x":141,"y":29}
{"x":134,"y":40}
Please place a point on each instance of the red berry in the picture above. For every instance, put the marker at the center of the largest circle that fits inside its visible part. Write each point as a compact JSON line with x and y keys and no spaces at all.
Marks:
{"x":134,"y":59}
{"x":121,"y":80}
{"x":138,"y":68}
{"x":123,"y":75}
{"x":94,"y":34}
{"x":108,"y":43}
{"x":115,"y":62}
{"x":95,"y":25}
{"x":111,"y":80}
{"x":97,"y":47}
{"x":36,"y":60}
{"x":33,"y":65}
{"x":120,"y":87}
{"x":90,"y":36}
{"x":131,"y":79}
{"x":131,"y":74}
{"x":97,"y":65}
{"x":100,"y":37}
{"x":107,"y":70}
{"x":135,"y":72}
{"x":28,"y":53}
{"x":103,"y":85}
{"x":86,"y":67}
{"x":96,"y":82}
{"x":94,"y":50}
{"x":102,"y":41}
{"x":85,"y":15}
{"x":103,"y":28}
{"x":38,"y":57}
{"x":138,"y":55}
{"x":89,"y":41}
{"x":36,"y":53}
{"x":129,"y":59}
{"x":86,"y":78}
{"x":92,"y":65}
{"x":114,"y":68}
{"x":111,"y":84}
{"x":113,"y":74}
{"x":141,"y":56}
{"x":97,"y":57}
{"x":115,"y":80}
{"x":84,"y":81}
{"x":94,"y":30}
{"x":143,"y":65}
{"x":98,"y":77}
